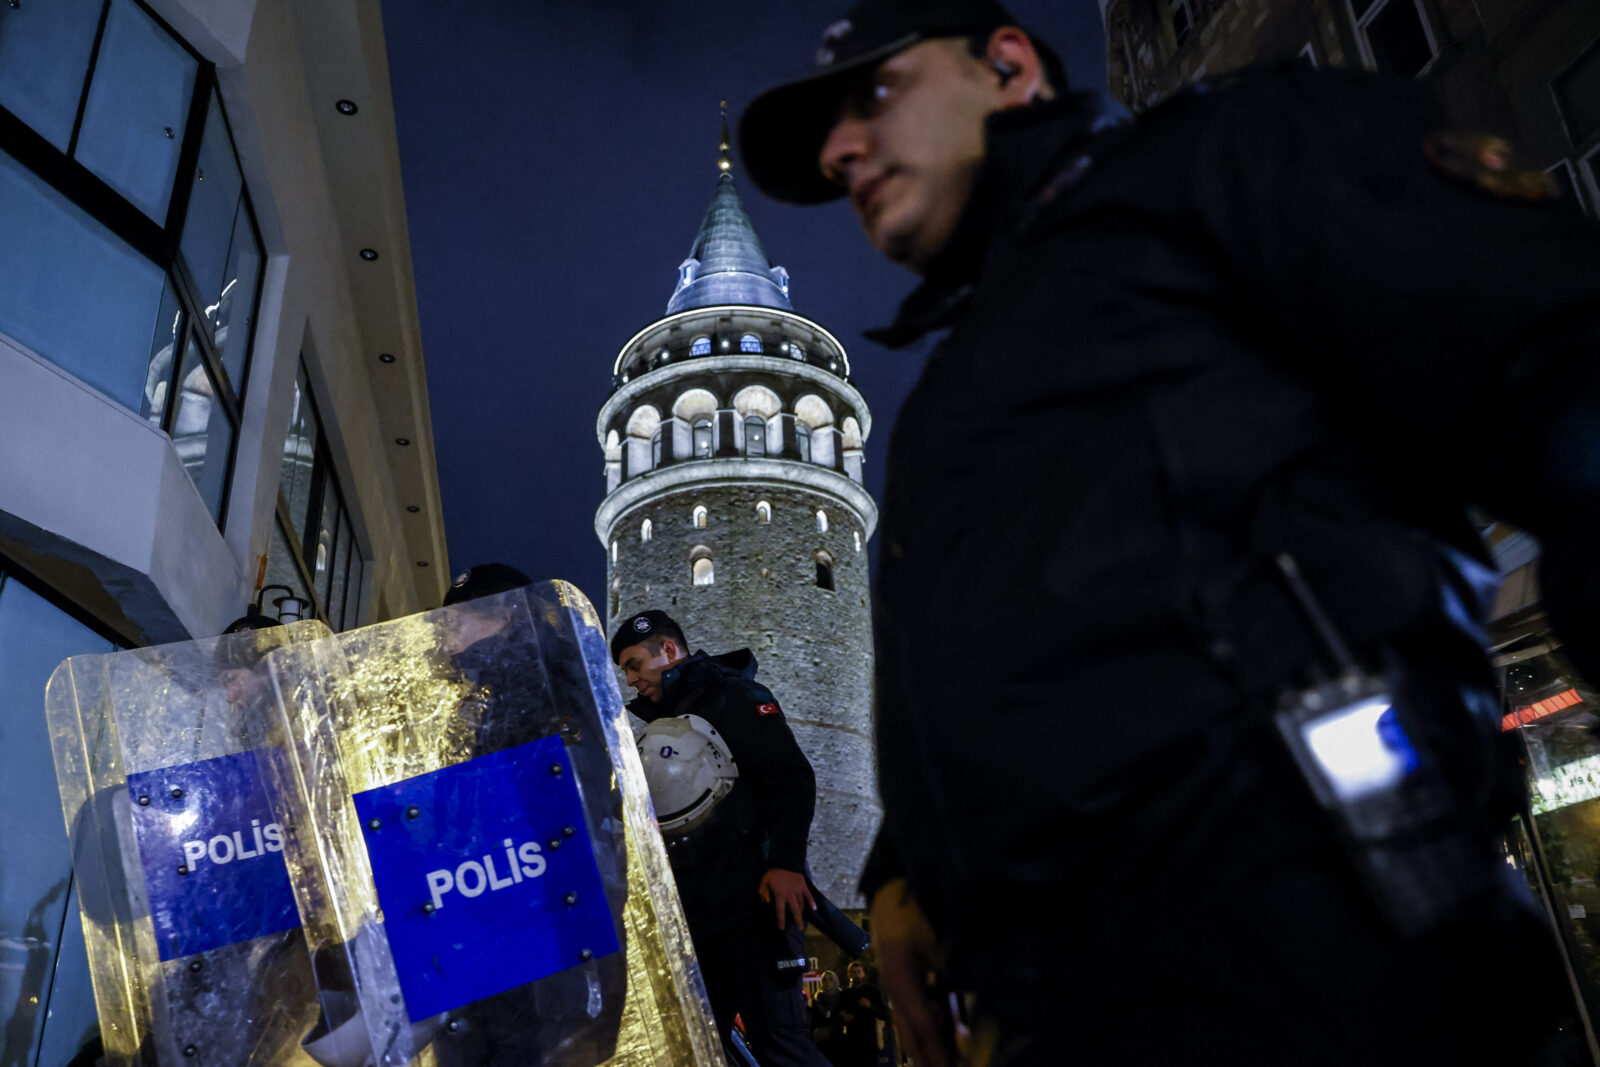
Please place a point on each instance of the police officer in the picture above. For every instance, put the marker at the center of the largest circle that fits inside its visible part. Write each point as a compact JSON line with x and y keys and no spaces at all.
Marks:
{"x":1217,"y":388}
{"x":741,"y":869}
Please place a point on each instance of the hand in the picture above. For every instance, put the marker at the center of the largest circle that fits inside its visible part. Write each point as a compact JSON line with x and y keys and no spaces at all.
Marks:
{"x":787,"y":892}
{"x":908,"y":967}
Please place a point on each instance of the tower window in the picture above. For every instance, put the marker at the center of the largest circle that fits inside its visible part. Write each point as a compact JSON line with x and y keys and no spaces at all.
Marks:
{"x":700,"y":346}
{"x":802,"y":440}
{"x":646,"y":530}
{"x":702,"y":438}
{"x":755,"y":436}
{"x":613,"y":552}
{"x":822,"y":521}
{"x":763,"y":512}
{"x":750,"y":343}
{"x":699,"y":517}
{"x":700,"y":567}
{"x":858,"y":539}
{"x":797,"y":351}
{"x":824,"y":570}
{"x":616,"y":598}
{"x":655,"y":449}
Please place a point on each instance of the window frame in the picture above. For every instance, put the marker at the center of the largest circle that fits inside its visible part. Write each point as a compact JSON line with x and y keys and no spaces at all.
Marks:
{"x":321,"y":471}
{"x":160,"y":243}
{"x":1377,"y":7}
{"x":1589,"y":52}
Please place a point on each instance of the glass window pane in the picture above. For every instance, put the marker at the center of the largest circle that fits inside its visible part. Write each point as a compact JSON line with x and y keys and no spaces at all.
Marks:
{"x":35,"y":637}
{"x":201,"y":431}
{"x":44,"y":59}
{"x":1399,"y":42}
{"x":1578,"y":93}
{"x":299,"y":454}
{"x":138,"y":105}
{"x":236,"y":305}
{"x":352,"y":589}
{"x":282,"y":570}
{"x":322,"y":551}
{"x":163,"y":353}
{"x":213,"y":205}
{"x":73,"y":292}
{"x":341,"y":564}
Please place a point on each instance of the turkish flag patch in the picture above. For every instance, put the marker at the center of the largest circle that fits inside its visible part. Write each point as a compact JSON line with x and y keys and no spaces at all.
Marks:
{"x":768,"y":709}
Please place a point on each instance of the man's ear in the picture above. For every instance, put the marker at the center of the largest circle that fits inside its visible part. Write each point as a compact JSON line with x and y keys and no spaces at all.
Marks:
{"x":1016,"y":66}
{"x":670,"y":649}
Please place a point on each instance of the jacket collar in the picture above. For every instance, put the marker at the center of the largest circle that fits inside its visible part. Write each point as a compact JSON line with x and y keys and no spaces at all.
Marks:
{"x":679,"y":681}
{"x":1024,"y":150}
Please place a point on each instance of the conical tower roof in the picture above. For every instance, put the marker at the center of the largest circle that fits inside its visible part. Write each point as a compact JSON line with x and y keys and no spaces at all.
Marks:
{"x":727,"y":264}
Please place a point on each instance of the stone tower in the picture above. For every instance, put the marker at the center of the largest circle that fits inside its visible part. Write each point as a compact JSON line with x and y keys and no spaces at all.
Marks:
{"x":733,"y":462}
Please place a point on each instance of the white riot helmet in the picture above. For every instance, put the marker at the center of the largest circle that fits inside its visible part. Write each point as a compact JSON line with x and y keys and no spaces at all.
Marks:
{"x":689,"y":769}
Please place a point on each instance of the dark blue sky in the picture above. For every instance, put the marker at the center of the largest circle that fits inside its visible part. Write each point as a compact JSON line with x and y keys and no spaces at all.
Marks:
{"x":557,"y":158}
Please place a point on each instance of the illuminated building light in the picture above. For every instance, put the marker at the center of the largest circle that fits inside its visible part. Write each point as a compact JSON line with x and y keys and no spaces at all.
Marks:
{"x":1533,"y":712}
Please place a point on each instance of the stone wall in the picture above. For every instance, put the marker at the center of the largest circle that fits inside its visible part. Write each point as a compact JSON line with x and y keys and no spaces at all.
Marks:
{"x":813,"y":645}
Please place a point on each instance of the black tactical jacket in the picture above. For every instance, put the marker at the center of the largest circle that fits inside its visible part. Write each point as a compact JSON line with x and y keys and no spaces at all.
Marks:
{"x":1259,"y":319}
{"x":766,"y":819}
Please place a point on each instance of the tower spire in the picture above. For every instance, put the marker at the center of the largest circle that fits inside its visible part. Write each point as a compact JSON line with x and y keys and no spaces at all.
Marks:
{"x":724,"y":155}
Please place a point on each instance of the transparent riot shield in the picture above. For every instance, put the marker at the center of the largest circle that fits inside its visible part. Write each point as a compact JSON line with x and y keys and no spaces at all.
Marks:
{"x":469,"y":835}
{"x":162,"y":756}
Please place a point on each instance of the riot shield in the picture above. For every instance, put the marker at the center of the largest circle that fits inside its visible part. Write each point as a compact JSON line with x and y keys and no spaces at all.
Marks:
{"x":162,"y":756}
{"x":470,"y":840}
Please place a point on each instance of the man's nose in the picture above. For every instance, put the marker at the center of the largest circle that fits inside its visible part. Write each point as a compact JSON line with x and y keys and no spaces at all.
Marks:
{"x":845,"y":144}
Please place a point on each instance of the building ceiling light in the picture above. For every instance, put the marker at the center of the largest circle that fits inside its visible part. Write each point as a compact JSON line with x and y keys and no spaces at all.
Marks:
{"x":402,"y":441}
{"x":385,"y":357}
{"x":422,"y":563}
{"x":347,"y":107}
{"x":412,"y":508}
{"x":369,"y":254}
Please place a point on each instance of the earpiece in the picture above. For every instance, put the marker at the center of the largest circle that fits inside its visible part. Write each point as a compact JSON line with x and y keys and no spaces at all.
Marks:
{"x":1004,"y":69}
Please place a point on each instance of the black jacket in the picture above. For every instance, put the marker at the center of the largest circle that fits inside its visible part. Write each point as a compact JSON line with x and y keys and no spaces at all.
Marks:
{"x":1259,"y":319}
{"x":765,"y":820}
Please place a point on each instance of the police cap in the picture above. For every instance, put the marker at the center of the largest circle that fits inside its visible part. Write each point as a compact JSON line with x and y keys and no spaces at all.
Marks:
{"x":486,"y":579}
{"x":783,"y":129}
{"x":642,"y":627}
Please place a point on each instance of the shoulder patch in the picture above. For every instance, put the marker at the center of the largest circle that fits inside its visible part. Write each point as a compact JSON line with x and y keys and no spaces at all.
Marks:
{"x":1488,"y":163}
{"x":768,"y":709}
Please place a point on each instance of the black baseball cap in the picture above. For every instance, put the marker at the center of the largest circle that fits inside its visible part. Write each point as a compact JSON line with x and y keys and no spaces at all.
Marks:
{"x":782,"y":130}
{"x":486,"y":579}
{"x":640,"y":627}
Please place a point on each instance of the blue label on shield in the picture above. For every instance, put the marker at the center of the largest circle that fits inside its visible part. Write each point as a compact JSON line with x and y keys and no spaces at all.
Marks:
{"x":212,"y":854}
{"x":486,"y":876}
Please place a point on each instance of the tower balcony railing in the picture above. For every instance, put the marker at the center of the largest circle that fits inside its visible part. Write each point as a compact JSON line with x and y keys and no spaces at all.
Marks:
{"x":715,"y":345}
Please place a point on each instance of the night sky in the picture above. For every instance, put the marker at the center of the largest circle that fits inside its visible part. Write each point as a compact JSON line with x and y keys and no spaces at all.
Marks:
{"x":557,"y":158}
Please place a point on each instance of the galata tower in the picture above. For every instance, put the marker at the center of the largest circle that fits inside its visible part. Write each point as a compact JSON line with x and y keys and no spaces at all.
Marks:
{"x":734,"y":445}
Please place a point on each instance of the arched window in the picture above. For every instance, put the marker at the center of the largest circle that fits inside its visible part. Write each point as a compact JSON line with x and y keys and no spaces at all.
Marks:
{"x":797,"y":352}
{"x":699,"y":517}
{"x":647,"y":530}
{"x":822,"y":521}
{"x":750,"y":343}
{"x":616,"y":598}
{"x":702,"y":438}
{"x":824,"y":570}
{"x":613,"y":552}
{"x":763,"y":512}
{"x":700,"y":568}
{"x":700,"y":346}
{"x":858,"y":540}
{"x":755,"y":436}
{"x":655,"y":449}
{"x":802,"y":440}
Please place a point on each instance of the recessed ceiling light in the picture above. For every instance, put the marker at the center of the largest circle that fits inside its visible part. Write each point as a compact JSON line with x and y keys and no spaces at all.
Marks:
{"x":347,"y":107}
{"x":422,"y":563}
{"x":402,"y":441}
{"x":385,"y":357}
{"x":369,"y":254}
{"x":412,"y":508}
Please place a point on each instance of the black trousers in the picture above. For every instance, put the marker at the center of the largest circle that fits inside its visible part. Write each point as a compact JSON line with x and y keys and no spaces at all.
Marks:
{"x":1217,"y":921}
{"x":739,"y":964}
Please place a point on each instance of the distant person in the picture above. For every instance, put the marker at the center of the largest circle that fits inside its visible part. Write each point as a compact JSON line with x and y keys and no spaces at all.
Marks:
{"x":734,"y":796}
{"x":824,"y":1006}
{"x":861,"y":1008}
